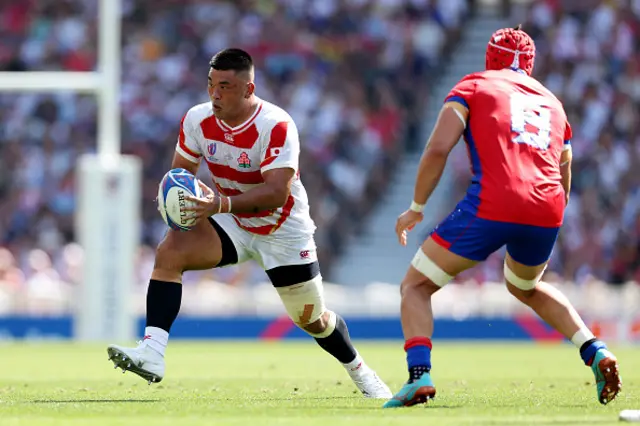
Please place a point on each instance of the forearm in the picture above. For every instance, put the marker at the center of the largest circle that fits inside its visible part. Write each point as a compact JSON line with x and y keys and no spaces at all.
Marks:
{"x":565,"y":172}
{"x":429,"y":172}
{"x":258,"y":199}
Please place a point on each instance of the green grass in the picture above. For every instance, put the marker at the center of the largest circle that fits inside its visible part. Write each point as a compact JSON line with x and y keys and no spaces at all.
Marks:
{"x":298,"y":384}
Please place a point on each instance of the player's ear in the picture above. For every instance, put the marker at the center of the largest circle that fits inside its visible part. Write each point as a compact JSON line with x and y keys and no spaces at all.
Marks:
{"x":251,"y":88}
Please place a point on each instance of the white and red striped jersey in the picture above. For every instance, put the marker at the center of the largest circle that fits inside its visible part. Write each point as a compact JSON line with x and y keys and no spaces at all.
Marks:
{"x":237,"y":157}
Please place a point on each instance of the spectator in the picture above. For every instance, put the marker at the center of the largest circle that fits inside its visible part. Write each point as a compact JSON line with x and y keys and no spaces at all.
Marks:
{"x":351,"y":72}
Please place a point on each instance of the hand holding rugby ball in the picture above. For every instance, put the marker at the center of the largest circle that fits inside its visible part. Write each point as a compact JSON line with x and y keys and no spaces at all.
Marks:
{"x":173,"y":203}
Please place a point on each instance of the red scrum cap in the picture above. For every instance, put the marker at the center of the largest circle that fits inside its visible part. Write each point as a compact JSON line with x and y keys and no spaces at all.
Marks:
{"x":511,"y":48}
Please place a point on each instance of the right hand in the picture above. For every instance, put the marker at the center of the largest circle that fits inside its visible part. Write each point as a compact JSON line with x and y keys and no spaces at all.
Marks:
{"x":205,"y":206}
{"x":406,"y":222}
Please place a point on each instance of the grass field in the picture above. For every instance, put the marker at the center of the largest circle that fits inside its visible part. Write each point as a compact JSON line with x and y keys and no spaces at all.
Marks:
{"x":298,"y":384}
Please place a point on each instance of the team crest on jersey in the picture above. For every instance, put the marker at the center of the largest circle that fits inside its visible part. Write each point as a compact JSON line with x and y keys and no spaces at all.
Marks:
{"x":211,"y":150}
{"x":228,"y":137}
{"x":244,"y":161}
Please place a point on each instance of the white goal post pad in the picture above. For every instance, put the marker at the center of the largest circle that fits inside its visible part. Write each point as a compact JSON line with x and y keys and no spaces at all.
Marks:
{"x":108,"y":228}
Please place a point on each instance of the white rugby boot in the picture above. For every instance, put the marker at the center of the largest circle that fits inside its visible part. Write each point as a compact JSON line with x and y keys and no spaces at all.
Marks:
{"x":143,"y":360}
{"x":368,"y":382}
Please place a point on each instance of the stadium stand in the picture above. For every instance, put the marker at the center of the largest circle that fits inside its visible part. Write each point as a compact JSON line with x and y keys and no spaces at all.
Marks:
{"x":353,"y":74}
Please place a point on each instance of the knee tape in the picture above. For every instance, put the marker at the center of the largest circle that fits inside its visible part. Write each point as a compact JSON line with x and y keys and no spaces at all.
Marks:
{"x":429,"y":269}
{"x":520,"y":283}
{"x":304,"y":302}
{"x":331,"y":326}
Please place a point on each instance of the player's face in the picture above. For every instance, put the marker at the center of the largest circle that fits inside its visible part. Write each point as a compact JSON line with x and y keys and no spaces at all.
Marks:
{"x":228,"y":92}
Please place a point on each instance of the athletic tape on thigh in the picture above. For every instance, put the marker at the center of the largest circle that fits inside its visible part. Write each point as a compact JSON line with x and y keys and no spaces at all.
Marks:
{"x":304,"y":302}
{"x":521,"y":283}
{"x":429,"y":269}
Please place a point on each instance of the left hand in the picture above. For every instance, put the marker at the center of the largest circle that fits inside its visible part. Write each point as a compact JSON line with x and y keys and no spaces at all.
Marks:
{"x":205,"y":206}
{"x":406,"y":222}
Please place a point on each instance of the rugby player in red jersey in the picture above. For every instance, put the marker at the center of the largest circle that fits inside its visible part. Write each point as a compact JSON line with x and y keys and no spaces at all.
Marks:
{"x":519,"y":143}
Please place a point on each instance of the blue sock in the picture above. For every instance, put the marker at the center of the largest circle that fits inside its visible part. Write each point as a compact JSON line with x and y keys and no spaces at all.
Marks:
{"x":589,"y":349}
{"x":418,"y":356}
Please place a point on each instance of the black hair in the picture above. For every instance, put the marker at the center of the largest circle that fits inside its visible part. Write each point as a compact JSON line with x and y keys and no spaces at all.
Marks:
{"x":232,"y":59}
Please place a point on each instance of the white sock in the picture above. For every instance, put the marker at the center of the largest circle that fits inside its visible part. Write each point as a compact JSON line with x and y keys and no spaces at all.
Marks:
{"x":581,"y":337}
{"x":156,"y":338}
{"x":354,"y":365}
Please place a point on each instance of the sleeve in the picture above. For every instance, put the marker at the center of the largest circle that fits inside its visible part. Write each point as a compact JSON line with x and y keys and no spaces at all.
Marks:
{"x":282,"y":149}
{"x":187,"y":144}
{"x":568,"y":135}
{"x":462,"y":91}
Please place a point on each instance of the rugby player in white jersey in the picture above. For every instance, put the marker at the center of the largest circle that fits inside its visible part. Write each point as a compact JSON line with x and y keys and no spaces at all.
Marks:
{"x":261,"y":212}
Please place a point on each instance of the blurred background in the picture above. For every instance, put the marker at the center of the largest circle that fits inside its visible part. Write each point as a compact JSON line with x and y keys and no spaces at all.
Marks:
{"x":364,"y":80}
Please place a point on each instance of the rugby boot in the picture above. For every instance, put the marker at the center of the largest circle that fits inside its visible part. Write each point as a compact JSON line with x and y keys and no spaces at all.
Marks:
{"x":142,"y":360}
{"x":368,"y":382}
{"x":608,"y":380}
{"x":419,"y":391}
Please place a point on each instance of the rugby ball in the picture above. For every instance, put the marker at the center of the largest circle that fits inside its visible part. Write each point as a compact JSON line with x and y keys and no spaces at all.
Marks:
{"x":172,"y":204}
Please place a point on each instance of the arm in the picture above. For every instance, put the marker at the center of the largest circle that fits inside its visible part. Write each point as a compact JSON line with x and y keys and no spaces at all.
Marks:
{"x":188,"y":154}
{"x":278,"y":166}
{"x":565,"y":172}
{"x":272,"y":194}
{"x":450,"y":125}
{"x":279,"y":163}
{"x":565,"y":162}
{"x":181,"y":162}
{"x":448,"y":129}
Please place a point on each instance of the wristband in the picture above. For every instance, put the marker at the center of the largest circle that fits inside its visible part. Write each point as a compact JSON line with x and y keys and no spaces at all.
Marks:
{"x":418,"y":208}
{"x":229,"y":204}
{"x":224,"y":202}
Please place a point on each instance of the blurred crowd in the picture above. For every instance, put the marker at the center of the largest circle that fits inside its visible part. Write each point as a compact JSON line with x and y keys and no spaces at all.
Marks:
{"x":587,"y":54}
{"x":352,"y":73}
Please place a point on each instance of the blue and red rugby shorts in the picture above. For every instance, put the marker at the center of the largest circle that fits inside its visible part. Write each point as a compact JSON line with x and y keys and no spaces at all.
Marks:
{"x":467,"y":235}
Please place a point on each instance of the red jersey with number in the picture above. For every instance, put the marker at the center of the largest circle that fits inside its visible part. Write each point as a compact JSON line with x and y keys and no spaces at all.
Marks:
{"x":515,"y":133}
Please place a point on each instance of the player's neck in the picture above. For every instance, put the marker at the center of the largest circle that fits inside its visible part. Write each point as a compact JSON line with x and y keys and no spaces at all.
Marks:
{"x":247,"y":112}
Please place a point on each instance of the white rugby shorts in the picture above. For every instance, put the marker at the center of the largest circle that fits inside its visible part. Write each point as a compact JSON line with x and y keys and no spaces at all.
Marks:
{"x":269,"y":251}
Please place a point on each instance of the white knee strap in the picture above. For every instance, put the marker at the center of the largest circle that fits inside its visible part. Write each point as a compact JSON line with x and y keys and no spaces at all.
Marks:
{"x":521,"y":283}
{"x":331,"y":325}
{"x":304,"y":303}
{"x":429,"y":269}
